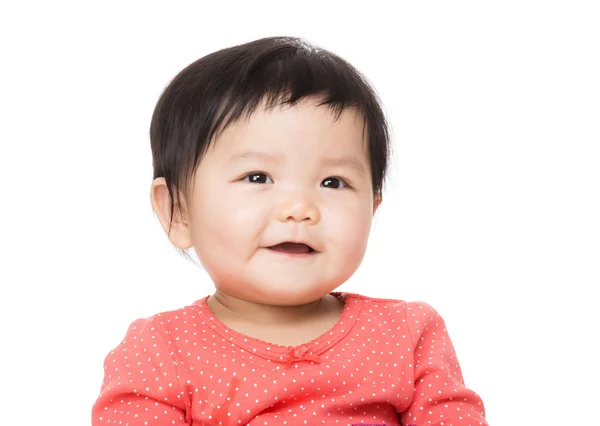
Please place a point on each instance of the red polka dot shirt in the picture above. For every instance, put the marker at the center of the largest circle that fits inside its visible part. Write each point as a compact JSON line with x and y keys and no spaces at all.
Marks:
{"x":385,"y":362}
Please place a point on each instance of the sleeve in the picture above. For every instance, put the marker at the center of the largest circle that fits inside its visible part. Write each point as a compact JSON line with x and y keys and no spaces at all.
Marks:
{"x":440,"y":396}
{"x":141,"y":382}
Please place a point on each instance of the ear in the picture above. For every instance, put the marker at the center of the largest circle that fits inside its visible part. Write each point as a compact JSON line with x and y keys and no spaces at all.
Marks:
{"x":180,"y":234}
{"x":376,"y":202}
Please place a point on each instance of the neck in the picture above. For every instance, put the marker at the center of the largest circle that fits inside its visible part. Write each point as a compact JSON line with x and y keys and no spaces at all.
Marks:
{"x":225,"y":304}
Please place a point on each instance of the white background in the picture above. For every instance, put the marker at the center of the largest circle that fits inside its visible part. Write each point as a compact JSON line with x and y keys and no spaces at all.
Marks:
{"x":491,"y":216}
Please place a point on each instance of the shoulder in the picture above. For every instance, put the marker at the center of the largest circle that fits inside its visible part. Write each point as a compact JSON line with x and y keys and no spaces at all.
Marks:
{"x":404,"y":307}
{"x":413,"y":316}
{"x":156,"y":327}
{"x":172,"y":319}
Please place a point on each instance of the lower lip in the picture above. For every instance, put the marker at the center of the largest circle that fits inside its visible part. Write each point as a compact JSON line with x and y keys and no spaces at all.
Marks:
{"x":293,"y":255}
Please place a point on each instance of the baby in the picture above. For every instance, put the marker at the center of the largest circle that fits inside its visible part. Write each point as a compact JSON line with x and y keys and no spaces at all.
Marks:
{"x":269,"y":161}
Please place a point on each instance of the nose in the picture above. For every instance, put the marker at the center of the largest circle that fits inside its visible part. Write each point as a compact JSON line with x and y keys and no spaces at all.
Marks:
{"x":299,"y":208}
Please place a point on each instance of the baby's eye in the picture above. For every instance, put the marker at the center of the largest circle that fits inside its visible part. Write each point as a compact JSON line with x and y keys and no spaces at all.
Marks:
{"x":334,"y":182}
{"x":258,"y":178}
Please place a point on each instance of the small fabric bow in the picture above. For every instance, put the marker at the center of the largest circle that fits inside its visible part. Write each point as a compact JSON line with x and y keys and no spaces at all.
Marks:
{"x":301,"y":353}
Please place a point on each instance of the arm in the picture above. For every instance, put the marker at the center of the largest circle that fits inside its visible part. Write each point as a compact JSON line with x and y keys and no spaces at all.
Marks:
{"x":440,"y":396}
{"x":141,"y":382}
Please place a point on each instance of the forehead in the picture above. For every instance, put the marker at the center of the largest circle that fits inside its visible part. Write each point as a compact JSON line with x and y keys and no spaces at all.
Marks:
{"x":304,"y":126}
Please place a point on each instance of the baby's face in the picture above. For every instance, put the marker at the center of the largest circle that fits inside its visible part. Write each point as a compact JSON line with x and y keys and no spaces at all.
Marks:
{"x":290,"y":175}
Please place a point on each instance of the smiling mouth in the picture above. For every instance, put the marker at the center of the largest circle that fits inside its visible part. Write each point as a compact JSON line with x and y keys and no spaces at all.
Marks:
{"x":292,"y":248}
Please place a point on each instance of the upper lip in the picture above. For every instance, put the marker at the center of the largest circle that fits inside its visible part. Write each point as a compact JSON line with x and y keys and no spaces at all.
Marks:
{"x":295,"y":242}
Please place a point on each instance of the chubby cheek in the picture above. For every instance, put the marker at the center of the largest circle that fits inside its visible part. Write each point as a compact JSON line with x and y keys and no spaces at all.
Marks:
{"x":227,"y":222}
{"x":347,"y":229}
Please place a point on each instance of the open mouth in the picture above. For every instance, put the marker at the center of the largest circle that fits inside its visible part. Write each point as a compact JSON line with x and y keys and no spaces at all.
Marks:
{"x":292,"y":248}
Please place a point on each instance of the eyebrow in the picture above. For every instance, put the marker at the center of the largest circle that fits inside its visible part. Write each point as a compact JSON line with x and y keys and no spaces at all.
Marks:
{"x":347,"y":161}
{"x":344,"y":161}
{"x":251,"y":155}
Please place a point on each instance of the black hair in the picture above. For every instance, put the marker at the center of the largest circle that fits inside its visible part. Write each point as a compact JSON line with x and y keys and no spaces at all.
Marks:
{"x":224,"y":86}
